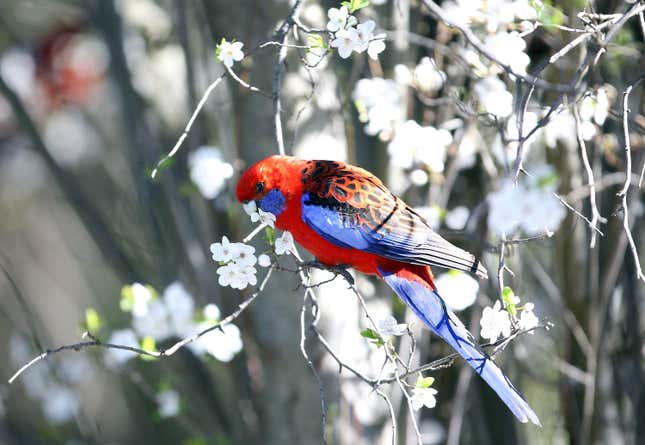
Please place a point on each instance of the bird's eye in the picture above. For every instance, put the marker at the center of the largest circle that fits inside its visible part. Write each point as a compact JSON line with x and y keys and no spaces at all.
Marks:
{"x":259,"y":187}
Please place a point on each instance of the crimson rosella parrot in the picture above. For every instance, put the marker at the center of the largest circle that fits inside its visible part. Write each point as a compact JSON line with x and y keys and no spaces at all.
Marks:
{"x":344,"y":215}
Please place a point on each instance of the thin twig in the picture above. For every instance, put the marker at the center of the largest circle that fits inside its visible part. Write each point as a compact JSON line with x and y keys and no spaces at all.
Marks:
{"x":595,"y":214}
{"x":192,"y":119}
{"x":140,"y":351}
{"x":303,"y":350}
{"x":281,"y":36}
{"x":628,"y":179}
{"x":245,"y":84}
{"x":474,"y":41}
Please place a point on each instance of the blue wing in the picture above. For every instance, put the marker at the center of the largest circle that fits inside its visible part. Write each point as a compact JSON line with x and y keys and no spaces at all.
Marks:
{"x":351,"y":208}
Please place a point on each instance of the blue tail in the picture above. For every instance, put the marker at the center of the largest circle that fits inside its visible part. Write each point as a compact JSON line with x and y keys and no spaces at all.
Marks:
{"x":431,"y":309}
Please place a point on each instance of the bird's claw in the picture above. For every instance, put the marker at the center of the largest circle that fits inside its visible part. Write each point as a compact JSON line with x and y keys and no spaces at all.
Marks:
{"x":338,"y":269}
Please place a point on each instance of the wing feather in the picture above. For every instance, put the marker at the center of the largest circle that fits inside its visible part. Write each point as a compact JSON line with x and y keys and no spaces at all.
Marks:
{"x":350,"y":207}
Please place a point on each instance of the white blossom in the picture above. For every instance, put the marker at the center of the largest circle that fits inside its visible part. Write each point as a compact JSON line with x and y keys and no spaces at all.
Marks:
{"x":142,"y":298}
{"x":419,"y":177}
{"x":493,"y":96}
{"x":534,"y":209}
{"x":389,"y":327}
{"x":114,"y":358}
{"x":284,"y":244}
{"x":222,"y":344}
{"x":413,"y":143}
{"x":458,"y":289}
{"x":265,"y":218}
{"x":250,"y":208}
{"x":337,"y":18}
{"x":223,"y":252}
{"x":264,"y":260}
{"x":508,"y":48}
{"x":423,"y":397}
{"x":180,"y":307}
{"x":402,"y":74}
{"x":236,"y":276}
{"x":345,"y":41}
{"x":503,"y":216}
{"x":495,"y":322}
{"x":602,"y":106}
{"x":376,"y":46}
{"x":168,"y":403}
{"x":154,"y":323}
{"x":244,"y":255}
{"x":380,"y":105}
{"x":427,"y":77}
{"x":211,"y":312}
{"x":208,"y":171}
{"x":456,"y":218}
{"x":230,"y":52}
{"x":561,"y":128}
{"x":527,"y":319}
{"x":364,"y":33}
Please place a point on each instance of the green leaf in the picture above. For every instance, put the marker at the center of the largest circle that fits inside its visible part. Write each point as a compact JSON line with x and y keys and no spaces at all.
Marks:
{"x":148,"y":344}
{"x":547,"y":181}
{"x":362,"y":111}
{"x":315,"y":41}
{"x":547,"y":14}
{"x":507,"y":296}
{"x":269,"y":235}
{"x":373,"y":337}
{"x":424,"y":382}
{"x":368,"y":333}
{"x":164,"y":163}
{"x":92,"y":320}
{"x":355,"y":5}
{"x":218,"y":48}
{"x":127,"y":299}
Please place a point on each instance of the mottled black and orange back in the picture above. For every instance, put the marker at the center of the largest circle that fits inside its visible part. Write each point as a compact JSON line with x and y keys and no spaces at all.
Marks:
{"x":351,"y":207}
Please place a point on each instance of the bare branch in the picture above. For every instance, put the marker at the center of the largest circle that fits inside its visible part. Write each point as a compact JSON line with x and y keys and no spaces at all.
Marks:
{"x":281,"y":36}
{"x":596,"y":217}
{"x":628,"y":179}
{"x":156,"y":354}
{"x":303,"y":350}
{"x":189,"y":125}
{"x":474,"y":41}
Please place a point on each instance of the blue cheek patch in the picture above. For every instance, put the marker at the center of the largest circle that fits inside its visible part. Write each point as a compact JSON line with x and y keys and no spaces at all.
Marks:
{"x":273,"y":202}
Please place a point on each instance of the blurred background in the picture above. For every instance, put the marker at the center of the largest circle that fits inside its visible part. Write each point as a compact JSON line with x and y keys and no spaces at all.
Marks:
{"x":94,"y":92}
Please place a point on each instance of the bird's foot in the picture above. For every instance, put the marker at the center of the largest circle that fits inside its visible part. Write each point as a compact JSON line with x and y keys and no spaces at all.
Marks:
{"x":338,"y":269}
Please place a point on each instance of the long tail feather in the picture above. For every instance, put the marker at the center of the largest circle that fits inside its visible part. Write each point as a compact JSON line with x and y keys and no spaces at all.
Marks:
{"x":420,"y":296}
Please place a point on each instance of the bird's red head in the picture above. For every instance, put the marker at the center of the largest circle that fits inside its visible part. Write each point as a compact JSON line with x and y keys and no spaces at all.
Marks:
{"x":274,"y":172}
